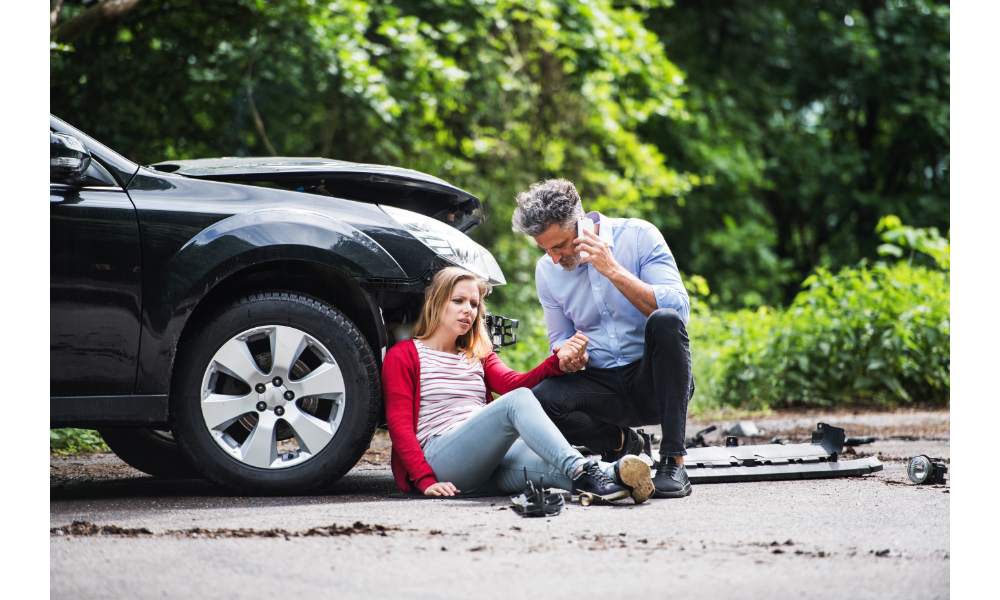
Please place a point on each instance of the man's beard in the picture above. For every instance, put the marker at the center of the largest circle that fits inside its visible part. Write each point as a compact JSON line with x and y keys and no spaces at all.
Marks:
{"x":570,"y":264}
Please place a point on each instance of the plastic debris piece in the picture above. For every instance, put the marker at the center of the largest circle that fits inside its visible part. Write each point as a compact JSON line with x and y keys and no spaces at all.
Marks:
{"x":744,"y":429}
{"x":537,"y":502}
{"x":857,"y":441}
{"x":763,"y":462}
{"x":698,"y":441}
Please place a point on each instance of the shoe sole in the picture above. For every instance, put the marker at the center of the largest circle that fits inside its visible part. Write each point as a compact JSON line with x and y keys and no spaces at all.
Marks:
{"x":685,"y":491}
{"x":635,"y":474}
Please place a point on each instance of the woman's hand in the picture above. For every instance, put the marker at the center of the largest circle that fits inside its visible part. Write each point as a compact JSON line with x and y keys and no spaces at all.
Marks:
{"x":573,"y":353}
{"x":442,"y":488}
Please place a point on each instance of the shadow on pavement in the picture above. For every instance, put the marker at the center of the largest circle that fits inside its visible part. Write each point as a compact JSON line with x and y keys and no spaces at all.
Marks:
{"x":373,"y":484}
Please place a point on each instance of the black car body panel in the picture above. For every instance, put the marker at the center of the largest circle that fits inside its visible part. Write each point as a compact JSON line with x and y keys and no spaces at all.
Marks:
{"x":199,"y":233}
{"x":95,"y":412}
{"x":402,"y":188}
{"x":95,"y":291}
{"x":133,"y":262}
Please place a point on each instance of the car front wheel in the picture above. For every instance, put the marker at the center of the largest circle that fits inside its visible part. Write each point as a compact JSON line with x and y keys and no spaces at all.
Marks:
{"x":277,"y":394}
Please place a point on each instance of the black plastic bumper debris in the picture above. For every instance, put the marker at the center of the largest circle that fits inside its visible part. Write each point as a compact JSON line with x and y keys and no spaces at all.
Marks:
{"x":537,"y":502}
{"x":698,"y":441}
{"x":776,"y":462}
{"x":858,"y":441}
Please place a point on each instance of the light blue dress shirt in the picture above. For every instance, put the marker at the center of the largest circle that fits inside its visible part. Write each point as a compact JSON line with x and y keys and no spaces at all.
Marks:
{"x":584,"y":300}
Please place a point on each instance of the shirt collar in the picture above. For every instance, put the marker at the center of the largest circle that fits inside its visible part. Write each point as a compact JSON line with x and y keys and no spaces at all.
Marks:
{"x":607,"y":228}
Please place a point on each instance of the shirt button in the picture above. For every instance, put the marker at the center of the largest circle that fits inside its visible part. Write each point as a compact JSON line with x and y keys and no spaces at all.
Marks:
{"x":605,"y":312}
{"x":612,"y":335}
{"x":596,"y":288}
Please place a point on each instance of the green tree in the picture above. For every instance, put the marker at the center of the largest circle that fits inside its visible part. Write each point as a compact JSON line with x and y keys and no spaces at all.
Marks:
{"x":809,"y":120}
{"x":791,"y":128}
{"x":491,"y":96}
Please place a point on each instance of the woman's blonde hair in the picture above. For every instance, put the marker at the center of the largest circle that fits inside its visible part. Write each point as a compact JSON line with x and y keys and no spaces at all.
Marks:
{"x":476,"y":341}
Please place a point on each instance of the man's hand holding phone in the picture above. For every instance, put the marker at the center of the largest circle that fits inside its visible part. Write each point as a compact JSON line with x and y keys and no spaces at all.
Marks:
{"x":597,"y":252}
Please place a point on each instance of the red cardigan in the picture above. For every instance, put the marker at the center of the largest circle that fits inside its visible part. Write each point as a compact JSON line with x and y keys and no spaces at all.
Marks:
{"x":401,"y":389}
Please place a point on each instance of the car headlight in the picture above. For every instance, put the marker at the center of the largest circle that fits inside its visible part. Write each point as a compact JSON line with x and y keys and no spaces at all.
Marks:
{"x":449,"y":243}
{"x":924,"y":469}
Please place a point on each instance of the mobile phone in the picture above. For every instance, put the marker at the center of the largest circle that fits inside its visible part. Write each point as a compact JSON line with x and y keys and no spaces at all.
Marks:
{"x":584,"y":224}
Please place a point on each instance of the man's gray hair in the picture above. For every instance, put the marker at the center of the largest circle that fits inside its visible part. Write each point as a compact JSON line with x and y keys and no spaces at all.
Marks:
{"x":547,"y":203}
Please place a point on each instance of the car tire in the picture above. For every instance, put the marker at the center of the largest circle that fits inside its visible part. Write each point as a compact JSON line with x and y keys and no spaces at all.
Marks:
{"x":233,"y":416}
{"x":151,"y":451}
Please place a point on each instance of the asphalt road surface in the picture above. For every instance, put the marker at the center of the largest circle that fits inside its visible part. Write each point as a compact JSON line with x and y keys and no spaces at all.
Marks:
{"x":877,"y":536}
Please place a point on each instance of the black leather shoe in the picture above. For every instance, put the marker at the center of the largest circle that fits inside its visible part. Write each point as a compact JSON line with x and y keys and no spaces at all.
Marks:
{"x":591,"y":479}
{"x":636,"y":443}
{"x":671,"y":480}
{"x":631,"y":472}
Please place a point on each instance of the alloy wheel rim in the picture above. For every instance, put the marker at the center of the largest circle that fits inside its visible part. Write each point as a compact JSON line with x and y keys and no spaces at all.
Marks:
{"x":272,"y":397}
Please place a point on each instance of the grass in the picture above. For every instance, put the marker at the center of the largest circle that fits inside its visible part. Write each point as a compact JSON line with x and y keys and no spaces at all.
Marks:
{"x":75,"y":441}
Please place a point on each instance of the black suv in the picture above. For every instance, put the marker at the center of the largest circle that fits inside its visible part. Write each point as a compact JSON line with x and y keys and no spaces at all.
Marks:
{"x":228,"y":317}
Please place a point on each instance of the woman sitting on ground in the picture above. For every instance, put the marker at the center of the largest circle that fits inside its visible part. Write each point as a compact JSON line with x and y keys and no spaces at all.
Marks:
{"x":449,"y":435}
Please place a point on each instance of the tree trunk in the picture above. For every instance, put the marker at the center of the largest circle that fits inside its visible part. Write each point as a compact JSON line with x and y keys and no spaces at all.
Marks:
{"x":257,"y":121}
{"x":55,"y":7}
{"x":88,"y":20}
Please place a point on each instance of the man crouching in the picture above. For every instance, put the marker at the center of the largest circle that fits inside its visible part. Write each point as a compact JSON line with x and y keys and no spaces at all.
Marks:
{"x":625,"y":294}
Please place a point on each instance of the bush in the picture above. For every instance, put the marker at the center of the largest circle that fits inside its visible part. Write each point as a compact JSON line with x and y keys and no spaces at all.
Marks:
{"x":876,"y":334}
{"x":75,"y":441}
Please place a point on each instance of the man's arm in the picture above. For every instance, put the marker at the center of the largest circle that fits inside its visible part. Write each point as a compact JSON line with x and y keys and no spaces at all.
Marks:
{"x":658,"y":268}
{"x":660,"y":285}
{"x":637,"y":291}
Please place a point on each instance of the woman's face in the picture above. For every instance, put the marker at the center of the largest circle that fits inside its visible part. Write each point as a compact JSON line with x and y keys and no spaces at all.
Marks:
{"x":461,"y":308}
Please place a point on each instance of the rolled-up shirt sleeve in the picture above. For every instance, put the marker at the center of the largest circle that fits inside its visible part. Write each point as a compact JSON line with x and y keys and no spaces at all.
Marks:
{"x":559,"y":325}
{"x":658,"y":268}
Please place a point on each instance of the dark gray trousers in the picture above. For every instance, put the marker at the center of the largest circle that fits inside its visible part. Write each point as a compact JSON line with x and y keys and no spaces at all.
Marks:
{"x":591,"y":406}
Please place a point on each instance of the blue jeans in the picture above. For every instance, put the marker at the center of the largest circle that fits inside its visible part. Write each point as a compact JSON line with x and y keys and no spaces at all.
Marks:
{"x":483,"y":455}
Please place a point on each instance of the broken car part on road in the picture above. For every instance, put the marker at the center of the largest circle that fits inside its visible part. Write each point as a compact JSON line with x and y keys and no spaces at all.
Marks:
{"x":924,"y":469}
{"x":698,"y":441}
{"x":776,"y":462}
{"x":743,"y":429}
{"x":858,"y":441}
{"x":537,"y":502}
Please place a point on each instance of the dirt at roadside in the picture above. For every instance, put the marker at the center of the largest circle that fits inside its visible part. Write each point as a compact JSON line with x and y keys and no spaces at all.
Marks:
{"x":895,"y":432}
{"x":95,"y":465}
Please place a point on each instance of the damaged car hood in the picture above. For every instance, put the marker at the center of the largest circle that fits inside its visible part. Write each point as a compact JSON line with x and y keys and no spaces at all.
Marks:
{"x":374,"y":184}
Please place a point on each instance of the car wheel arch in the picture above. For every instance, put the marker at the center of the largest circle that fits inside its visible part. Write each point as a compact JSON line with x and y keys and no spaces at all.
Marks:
{"x":318,"y":280}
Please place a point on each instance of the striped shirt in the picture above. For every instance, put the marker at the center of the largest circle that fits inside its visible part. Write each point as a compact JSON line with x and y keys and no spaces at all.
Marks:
{"x":451,"y":391}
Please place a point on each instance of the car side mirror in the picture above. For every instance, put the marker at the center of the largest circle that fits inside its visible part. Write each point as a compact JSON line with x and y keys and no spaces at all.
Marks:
{"x":70,"y":158}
